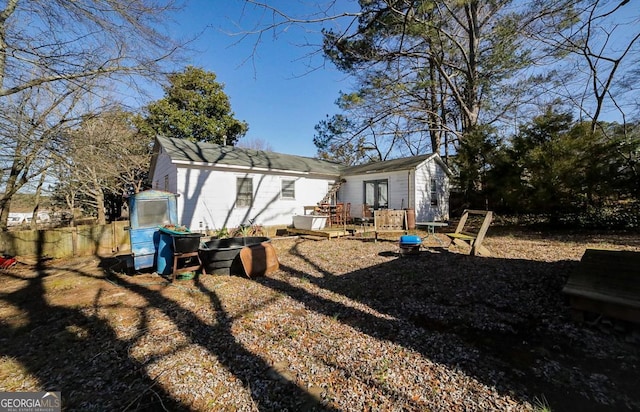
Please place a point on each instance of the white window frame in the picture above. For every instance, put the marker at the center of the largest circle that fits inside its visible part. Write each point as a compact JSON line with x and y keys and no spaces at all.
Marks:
{"x":433,"y":192}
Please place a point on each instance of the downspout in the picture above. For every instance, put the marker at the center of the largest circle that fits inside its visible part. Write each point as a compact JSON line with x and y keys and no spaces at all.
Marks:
{"x":410,"y":194}
{"x":411,"y":209}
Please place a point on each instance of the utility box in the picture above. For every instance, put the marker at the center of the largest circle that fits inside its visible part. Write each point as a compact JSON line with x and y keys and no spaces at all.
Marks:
{"x":148,"y":211}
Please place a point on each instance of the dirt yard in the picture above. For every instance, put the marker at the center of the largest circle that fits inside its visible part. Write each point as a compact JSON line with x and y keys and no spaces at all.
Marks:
{"x":344,"y":325}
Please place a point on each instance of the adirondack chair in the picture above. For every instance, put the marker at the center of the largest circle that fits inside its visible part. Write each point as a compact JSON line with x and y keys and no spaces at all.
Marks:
{"x":472,"y":240}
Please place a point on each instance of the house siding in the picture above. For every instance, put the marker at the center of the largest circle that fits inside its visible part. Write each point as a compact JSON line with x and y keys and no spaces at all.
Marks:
{"x":164,"y":168}
{"x":209,"y":195}
{"x":206,"y":187}
{"x":407,"y":189}
{"x":352,"y":191}
{"x":424,"y":210}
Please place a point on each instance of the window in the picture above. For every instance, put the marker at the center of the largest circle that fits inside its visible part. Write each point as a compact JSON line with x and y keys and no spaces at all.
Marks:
{"x":244,"y":191}
{"x":288,"y":189}
{"x":434,"y":192}
{"x":166,"y":182}
{"x":152,"y":212}
{"x":376,"y":194}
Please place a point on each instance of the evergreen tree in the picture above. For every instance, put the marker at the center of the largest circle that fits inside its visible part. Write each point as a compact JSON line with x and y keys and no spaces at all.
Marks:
{"x":194,"y":107}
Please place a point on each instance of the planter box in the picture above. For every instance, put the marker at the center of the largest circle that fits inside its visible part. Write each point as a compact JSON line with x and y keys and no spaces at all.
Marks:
{"x":186,"y":242}
{"x":221,"y":256}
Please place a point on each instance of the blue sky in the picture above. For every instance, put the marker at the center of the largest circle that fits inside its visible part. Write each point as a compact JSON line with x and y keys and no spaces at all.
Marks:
{"x":271,"y":87}
{"x":273,"y":84}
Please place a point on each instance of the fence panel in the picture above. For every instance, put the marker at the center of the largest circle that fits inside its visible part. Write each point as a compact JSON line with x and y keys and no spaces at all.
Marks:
{"x":84,"y":240}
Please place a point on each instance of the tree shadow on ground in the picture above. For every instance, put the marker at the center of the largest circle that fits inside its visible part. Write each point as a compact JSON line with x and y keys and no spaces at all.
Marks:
{"x":65,"y":349}
{"x":268,"y":388}
{"x":504,"y":322}
{"x":78,"y":352}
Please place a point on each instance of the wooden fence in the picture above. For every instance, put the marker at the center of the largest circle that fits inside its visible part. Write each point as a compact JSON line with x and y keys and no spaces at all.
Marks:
{"x":85,"y":240}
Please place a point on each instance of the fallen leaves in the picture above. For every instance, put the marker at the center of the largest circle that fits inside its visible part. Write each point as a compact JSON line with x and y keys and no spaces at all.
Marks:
{"x":343,"y":325}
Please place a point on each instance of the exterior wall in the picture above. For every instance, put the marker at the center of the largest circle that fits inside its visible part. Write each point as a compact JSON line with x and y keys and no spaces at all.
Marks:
{"x":207,"y":197}
{"x":407,"y":189}
{"x":165,"y":174}
{"x":426,"y":212}
{"x":352,"y":191}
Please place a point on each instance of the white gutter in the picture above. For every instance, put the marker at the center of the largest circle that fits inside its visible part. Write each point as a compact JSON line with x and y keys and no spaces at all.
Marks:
{"x":254,"y":169}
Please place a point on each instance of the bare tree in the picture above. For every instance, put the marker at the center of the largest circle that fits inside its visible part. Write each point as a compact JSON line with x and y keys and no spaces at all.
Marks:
{"x":426,"y":70}
{"x":53,"y":50}
{"x":255,"y":143}
{"x":30,"y":122}
{"x":105,"y":155}
{"x":48,"y":41}
{"x":599,"y":47}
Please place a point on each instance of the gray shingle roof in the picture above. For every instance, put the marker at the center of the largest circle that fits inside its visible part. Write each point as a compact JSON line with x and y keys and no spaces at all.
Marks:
{"x":183,"y":150}
{"x":405,"y":163}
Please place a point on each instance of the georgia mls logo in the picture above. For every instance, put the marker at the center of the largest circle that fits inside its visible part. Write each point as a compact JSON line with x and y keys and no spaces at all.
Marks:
{"x":30,"y":402}
{"x":52,"y":396}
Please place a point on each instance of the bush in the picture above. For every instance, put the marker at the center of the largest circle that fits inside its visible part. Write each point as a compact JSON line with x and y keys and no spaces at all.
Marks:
{"x":619,"y":215}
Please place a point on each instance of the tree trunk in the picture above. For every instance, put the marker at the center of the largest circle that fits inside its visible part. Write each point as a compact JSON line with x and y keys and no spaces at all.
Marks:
{"x":34,"y":215}
{"x":100,"y":207}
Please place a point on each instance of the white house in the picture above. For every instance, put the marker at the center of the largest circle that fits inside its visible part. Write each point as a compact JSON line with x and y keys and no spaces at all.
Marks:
{"x":224,"y":186}
{"x":418,"y":182}
{"x":17,"y":218}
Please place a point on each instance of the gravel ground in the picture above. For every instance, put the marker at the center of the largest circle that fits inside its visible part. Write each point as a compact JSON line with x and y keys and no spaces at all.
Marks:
{"x":344,"y":325}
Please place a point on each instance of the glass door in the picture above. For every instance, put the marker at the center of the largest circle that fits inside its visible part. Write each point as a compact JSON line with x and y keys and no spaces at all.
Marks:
{"x":376,"y":194}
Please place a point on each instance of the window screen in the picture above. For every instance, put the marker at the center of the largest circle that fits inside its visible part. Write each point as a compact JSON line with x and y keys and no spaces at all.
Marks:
{"x":153,"y":212}
{"x":244,"y":191}
{"x":288,"y":189}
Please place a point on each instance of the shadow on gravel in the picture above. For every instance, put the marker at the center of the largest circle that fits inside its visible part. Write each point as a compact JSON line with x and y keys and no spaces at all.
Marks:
{"x":503,"y":321}
{"x":66,"y":349}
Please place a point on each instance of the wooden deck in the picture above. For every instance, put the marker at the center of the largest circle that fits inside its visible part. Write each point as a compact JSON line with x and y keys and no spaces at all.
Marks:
{"x":328,"y":233}
{"x":358,"y":230}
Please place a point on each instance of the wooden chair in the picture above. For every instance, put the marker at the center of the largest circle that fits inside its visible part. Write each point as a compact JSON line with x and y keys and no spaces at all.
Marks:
{"x":365,"y":220}
{"x":473,"y":240}
{"x":322,"y":209}
{"x":337,"y":214}
{"x":347,"y":214}
{"x":367,"y":213}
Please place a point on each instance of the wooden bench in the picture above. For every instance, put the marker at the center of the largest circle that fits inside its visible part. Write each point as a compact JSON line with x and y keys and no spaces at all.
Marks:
{"x":472,"y":240}
{"x":606,"y":282}
{"x":389,"y":221}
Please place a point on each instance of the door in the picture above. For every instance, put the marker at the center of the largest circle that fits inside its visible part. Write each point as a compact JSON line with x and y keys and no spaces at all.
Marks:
{"x":376,"y":193}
